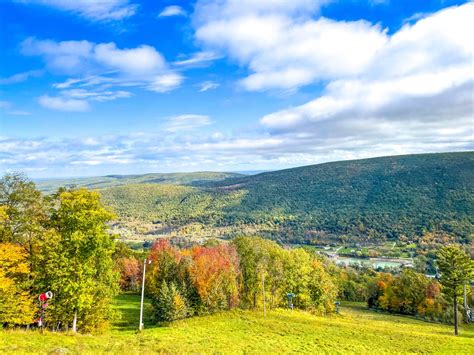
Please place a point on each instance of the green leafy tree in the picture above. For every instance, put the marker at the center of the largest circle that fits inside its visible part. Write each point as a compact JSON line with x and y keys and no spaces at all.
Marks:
{"x":76,"y":262}
{"x":23,"y":214}
{"x":456,"y":268}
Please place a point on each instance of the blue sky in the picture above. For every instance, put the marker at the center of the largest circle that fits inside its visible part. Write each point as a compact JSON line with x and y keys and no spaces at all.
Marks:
{"x":122,"y":86}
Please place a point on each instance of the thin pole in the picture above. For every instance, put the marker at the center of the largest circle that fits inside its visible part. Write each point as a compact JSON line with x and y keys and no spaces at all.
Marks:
{"x":140,"y":327}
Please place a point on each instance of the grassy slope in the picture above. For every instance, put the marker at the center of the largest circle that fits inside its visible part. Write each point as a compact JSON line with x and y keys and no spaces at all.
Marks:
{"x":354,"y":330}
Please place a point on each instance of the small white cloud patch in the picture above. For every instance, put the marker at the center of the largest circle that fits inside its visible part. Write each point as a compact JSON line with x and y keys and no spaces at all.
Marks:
{"x":173,"y":10}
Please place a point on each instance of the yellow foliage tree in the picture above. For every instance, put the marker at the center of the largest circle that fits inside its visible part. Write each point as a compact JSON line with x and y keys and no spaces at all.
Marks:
{"x":16,"y":304}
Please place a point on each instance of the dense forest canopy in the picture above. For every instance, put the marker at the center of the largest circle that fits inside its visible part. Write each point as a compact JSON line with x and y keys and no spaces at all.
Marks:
{"x":370,"y":199}
{"x":101,"y":182}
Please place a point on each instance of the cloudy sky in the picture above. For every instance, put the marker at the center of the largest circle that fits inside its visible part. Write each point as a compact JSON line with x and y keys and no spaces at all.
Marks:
{"x":133,"y":86}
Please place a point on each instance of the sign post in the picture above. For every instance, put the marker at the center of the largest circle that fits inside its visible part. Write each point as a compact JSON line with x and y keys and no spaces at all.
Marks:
{"x":43,"y":299}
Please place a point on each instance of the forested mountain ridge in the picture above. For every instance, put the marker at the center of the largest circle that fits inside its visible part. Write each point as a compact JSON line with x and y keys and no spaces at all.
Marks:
{"x":101,"y":182}
{"x":370,"y":198}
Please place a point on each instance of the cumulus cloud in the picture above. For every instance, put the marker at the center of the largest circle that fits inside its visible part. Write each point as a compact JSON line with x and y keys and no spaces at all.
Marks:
{"x":186,"y":122}
{"x":93,"y":10}
{"x":72,"y":57}
{"x":100,"y":67}
{"x":282,"y":45}
{"x":408,"y":92}
{"x":419,"y":70}
{"x":173,"y":10}
{"x":142,"y":59}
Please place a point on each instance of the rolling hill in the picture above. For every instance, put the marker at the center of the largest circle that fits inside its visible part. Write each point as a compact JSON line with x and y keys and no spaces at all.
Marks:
{"x":371,"y":199}
{"x":101,"y":182}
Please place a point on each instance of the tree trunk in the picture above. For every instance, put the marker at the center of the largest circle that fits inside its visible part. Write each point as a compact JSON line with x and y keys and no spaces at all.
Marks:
{"x":455,"y":315}
{"x":74,"y":323}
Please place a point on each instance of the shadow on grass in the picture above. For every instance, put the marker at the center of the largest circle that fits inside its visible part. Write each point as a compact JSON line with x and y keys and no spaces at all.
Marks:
{"x":127,"y":307}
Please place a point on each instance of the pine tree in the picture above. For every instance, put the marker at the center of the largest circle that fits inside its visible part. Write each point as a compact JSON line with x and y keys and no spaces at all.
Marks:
{"x":169,"y":304}
{"x":456,"y":269}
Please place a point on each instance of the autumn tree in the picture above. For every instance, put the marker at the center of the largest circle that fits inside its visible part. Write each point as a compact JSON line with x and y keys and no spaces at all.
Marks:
{"x":23,"y":214}
{"x":130,"y":273}
{"x":76,"y":261}
{"x":456,"y":268}
{"x":16,"y":303}
{"x":214,"y":273}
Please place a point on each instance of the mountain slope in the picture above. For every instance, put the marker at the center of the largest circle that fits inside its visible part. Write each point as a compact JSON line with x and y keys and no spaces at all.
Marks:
{"x":389,"y":195}
{"x":101,"y":182}
{"x":372,"y":198}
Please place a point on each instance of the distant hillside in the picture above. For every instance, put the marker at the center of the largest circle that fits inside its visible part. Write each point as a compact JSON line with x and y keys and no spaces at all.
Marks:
{"x":371,"y":198}
{"x":101,"y":182}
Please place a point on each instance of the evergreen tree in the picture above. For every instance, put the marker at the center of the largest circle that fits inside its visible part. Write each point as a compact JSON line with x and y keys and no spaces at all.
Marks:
{"x":169,"y":304}
{"x":456,"y":269}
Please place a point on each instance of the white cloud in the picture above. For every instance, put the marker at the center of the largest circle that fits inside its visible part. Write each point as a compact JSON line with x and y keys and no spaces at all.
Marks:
{"x":208,"y":85}
{"x":165,"y":82}
{"x":198,"y":59}
{"x":186,"y":122}
{"x":413,"y":74}
{"x":20,"y":77}
{"x":82,"y":94}
{"x":285,"y":50}
{"x":72,"y":57}
{"x":142,"y":59}
{"x":68,"y":57}
{"x":101,"y":68}
{"x":102,"y":10}
{"x":63,"y":104}
{"x":172,"y":11}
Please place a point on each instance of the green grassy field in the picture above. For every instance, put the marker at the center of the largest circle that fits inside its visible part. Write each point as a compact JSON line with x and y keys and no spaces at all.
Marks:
{"x":355,"y":330}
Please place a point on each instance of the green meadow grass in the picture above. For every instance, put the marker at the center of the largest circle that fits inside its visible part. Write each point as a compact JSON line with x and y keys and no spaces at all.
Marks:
{"x":355,"y":330}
